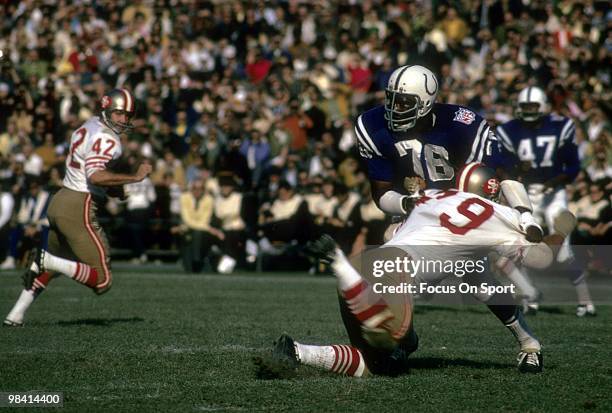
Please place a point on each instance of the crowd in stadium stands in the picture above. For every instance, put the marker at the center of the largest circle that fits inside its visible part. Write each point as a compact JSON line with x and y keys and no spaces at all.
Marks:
{"x":246,"y":109}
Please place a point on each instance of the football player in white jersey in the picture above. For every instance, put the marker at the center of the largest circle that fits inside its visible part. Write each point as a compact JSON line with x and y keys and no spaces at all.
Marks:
{"x":379,"y":325}
{"x":77,"y":245}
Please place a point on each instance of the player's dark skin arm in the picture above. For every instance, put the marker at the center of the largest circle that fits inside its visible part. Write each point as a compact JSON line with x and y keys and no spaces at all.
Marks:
{"x":379,"y":188}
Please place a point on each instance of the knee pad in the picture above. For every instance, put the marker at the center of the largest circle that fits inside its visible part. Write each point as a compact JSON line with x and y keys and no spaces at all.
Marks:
{"x":538,"y":256}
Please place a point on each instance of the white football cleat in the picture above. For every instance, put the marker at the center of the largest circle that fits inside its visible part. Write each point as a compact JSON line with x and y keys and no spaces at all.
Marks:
{"x":12,"y":323}
{"x":585,"y":310}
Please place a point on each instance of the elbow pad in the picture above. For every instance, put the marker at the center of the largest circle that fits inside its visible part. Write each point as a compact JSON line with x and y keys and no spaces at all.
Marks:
{"x":393,"y":203}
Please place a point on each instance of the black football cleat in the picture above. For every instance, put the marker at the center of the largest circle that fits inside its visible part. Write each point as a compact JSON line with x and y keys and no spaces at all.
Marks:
{"x":36,"y":256}
{"x":530,"y":362}
{"x":281,"y":363}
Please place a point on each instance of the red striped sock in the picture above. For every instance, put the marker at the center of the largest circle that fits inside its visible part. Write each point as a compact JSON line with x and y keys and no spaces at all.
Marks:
{"x":86,"y":275}
{"x":348,"y":360}
{"x":340,"y":359}
{"x":40,"y":283}
{"x":369,"y":308}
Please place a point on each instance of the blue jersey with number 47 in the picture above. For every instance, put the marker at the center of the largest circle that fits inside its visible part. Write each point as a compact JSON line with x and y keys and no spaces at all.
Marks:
{"x":549,"y":146}
{"x":456,"y":137}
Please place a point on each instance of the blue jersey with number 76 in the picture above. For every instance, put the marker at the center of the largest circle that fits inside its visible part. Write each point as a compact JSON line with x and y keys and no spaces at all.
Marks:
{"x":456,"y":136}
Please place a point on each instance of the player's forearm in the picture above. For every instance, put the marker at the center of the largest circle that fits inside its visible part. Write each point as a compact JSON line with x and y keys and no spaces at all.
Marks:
{"x":107,"y":178}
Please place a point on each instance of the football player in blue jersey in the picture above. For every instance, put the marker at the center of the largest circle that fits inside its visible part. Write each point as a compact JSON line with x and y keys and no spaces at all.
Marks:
{"x":413,"y":137}
{"x":544,"y":144}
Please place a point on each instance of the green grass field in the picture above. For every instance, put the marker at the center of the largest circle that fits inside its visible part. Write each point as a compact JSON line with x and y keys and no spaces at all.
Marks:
{"x":183,"y":343}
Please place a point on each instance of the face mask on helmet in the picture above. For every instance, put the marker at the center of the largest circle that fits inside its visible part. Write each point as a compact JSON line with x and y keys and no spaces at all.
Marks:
{"x":401,"y":110}
{"x":118,"y":102}
{"x":532,"y":104}
{"x":410,"y":94}
{"x":480,"y":180}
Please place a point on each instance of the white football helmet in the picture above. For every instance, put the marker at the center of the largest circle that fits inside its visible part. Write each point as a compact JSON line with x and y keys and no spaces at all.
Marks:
{"x":531,"y":104}
{"x":410,"y":94}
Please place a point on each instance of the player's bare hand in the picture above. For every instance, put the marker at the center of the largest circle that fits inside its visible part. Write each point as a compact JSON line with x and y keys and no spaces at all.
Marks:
{"x":413,"y":185}
{"x":143,"y":171}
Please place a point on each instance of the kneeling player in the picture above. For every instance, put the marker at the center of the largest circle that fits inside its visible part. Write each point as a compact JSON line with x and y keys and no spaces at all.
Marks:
{"x":379,"y":327}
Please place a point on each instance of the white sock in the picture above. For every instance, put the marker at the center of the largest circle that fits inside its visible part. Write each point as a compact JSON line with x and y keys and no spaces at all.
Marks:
{"x":316,"y":356}
{"x":337,"y":358}
{"x":582,"y":291}
{"x":26,"y":298}
{"x":525,"y":338}
{"x":346,"y":275}
{"x":520,"y":280}
{"x":61,"y":265}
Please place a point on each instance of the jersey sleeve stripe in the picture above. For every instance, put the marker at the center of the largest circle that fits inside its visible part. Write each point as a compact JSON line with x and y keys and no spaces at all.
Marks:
{"x":362,"y":142}
{"x":89,"y":170}
{"x":106,"y":158}
{"x":99,"y":165}
{"x":364,"y":134}
{"x":505,"y":140}
{"x":476,"y":142}
{"x":567,"y":130}
{"x":486,"y":137}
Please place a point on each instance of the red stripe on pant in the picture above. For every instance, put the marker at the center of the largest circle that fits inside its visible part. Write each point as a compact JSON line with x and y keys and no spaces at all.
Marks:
{"x":99,"y":246}
{"x":371,"y":311}
{"x":355,"y":291}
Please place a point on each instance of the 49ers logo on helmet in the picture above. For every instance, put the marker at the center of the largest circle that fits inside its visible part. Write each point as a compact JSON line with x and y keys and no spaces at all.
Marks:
{"x":491,"y":187}
{"x":106,"y":101}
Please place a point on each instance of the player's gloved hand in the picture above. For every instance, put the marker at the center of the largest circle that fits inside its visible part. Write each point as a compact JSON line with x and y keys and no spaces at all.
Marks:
{"x":533,"y":231}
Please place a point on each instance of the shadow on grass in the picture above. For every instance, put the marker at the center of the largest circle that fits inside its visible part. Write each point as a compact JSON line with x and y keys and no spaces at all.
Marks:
{"x":102,"y":322}
{"x":476,"y":309}
{"x":425,"y":308}
{"x":551,"y":310}
{"x":436,"y":363}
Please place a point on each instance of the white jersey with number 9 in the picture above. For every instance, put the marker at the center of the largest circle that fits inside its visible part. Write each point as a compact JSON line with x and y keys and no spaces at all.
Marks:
{"x":463,"y":223}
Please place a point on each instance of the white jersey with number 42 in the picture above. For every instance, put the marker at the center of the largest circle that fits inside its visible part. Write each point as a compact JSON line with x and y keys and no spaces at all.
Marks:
{"x":464,"y":222}
{"x":92,"y":147}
